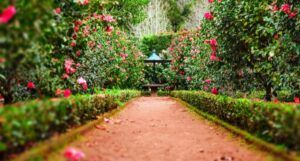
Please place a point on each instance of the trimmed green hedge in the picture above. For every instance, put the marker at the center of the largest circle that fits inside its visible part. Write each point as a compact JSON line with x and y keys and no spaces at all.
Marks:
{"x":24,"y":124}
{"x":163,"y":93}
{"x":277,"y":123}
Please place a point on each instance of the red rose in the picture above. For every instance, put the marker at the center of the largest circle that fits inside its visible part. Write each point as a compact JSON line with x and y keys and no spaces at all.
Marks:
{"x":78,"y":53}
{"x":76,"y":28}
{"x":109,"y":29}
{"x":214,"y":91}
{"x":293,"y":14}
{"x":30,"y":85}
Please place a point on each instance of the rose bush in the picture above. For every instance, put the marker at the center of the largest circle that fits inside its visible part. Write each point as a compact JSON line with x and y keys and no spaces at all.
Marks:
{"x":258,"y":43}
{"x":255,"y":47}
{"x":54,"y":43}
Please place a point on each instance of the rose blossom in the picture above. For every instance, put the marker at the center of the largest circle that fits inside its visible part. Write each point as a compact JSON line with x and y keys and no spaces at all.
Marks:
{"x":69,"y":66}
{"x":30,"y":85}
{"x":109,"y":29}
{"x":214,"y":91}
{"x":83,"y":83}
{"x":7,"y":14}
{"x":67,"y":93}
{"x":108,"y":18}
{"x":208,"y":16}
{"x":286,"y":8}
{"x":73,"y":154}
{"x":208,"y":81}
{"x":57,"y":10}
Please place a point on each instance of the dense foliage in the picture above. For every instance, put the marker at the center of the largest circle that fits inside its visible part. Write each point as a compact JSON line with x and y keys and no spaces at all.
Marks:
{"x":26,"y":123}
{"x":189,"y":66}
{"x":257,"y":44}
{"x":158,"y":43}
{"x":276,"y":123}
{"x":256,"y":47}
{"x":179,"y":12}
{"x":51,"y":46}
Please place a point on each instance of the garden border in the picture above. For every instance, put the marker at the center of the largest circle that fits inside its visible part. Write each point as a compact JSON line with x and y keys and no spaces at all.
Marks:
{"x":261,"y":144}
{"x":56,"y":143}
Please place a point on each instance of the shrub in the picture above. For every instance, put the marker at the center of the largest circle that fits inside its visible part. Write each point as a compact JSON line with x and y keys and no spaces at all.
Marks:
{"x":257,"y":44}
{"x":285,"y":96}
{"x":163,"y":93}
{"x":277,"y":123}
{"x":54,"y":43}
{"x":23,"y":124}
{"x":190,"y":65}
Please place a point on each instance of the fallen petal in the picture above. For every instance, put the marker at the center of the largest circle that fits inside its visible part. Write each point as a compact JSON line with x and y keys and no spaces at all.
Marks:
{"x":106,"y":120}
{"x":100,"y":127}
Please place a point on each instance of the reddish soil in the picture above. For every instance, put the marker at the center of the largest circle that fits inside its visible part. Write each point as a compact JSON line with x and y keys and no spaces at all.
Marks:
{"x":161,"y":129}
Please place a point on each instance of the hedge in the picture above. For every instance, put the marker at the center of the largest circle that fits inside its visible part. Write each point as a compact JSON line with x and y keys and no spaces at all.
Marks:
{"x":22,"y":125}
{"x":276,"y":123}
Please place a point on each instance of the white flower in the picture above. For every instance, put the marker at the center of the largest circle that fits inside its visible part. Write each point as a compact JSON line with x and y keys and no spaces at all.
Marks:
{"x":81,"y":81}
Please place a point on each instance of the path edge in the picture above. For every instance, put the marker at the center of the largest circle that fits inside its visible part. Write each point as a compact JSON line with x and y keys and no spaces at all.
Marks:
{"x":261,"y":144}
{"x":44,"y":148}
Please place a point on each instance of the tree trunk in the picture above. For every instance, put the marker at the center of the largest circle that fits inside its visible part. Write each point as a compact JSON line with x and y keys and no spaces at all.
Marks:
{"x":268,"y":88}
{"x":8,"y":98}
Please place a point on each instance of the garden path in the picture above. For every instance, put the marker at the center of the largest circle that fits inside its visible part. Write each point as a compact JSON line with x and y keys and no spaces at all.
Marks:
{"x":161,"y":129}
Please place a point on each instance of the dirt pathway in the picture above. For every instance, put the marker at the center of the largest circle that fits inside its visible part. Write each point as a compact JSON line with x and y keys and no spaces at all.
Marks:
{"x":161,"y":129}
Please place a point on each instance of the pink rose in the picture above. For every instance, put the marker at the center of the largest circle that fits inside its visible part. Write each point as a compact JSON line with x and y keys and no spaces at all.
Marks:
{"x":57,"y":10}
{"x":7,"y":14}
{"x":83,"y":83}
{"x":73,"y":44}
{"x":213,"y":57}
{"x":208,"y":81}
{"x":108,"y":18}
{"x":69,"y":66}
{"x":208,"y":16}
{"x":73,"y":154}
{"x":286,"y":8}
{"x":67,"y":93}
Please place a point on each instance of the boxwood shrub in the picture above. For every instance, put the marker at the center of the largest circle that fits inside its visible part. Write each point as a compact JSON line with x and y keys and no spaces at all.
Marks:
{"x":273,"y":122}
{"x":23,"y":124}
